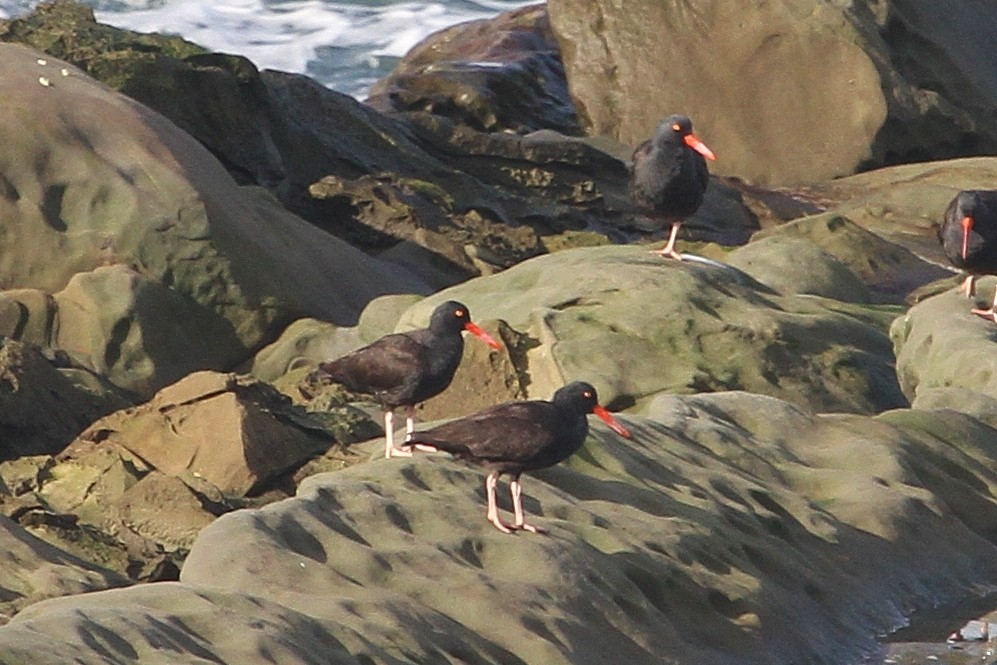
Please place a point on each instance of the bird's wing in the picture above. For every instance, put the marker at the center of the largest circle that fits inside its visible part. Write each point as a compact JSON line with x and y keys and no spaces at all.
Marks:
{"x":639,"y":154}
{"x":510,"y":432}
{"x":387,"y":363}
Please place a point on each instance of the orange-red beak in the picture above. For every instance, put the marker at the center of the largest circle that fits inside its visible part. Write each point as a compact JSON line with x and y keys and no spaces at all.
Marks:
{"x":693,"y":142}
{"x":613,"y":423}
{"x":967,"y":226}
{"x":485,"y":337}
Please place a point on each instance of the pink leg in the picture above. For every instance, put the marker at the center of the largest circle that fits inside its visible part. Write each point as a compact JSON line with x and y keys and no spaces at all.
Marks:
{"x":517,"y":507}
{"x":389,"y":438}
{"x":669,"y":248}
{"x":409,"y":422}
{"x":493,"y":517}
{"x":968,"y":286}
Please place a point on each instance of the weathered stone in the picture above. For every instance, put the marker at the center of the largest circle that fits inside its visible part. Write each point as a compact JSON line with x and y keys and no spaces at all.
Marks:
{"x":34,"y":570}
{"x":233,"y":432}
{"x":41,"y":410}
{"x":27,"y":315}
{"x":138,"y":333}
{"x":305,"y":342}
{"x":710,"y":537}
{"x":635,"y":325}
{"x":498,"y":74}
{"x":890,"y":271}
{"x":100,"y":181}
{"x":801,"y":91}
{"x":795,"y":265}
{"x":163,"y":509}
{"x":940,"y":345}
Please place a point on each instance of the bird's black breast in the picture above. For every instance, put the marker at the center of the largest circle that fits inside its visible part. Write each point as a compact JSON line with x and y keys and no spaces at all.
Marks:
{"x":668,"y":181}
{"x":981,"y":254}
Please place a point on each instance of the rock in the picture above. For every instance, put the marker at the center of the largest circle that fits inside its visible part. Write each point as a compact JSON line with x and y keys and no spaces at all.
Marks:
{"x":390,"y":210}
{"x":890,"y":271}
{"x":191,"y":624}
{"x":122,"y":186}
{"x":801,"y":91}
{"x":28,"y":315}
{"x":133,"y":490}
{"x":710,"y":537}
{"x":381,"y":316}
{"x":235,"y":433}
{"x":981,"y":406}
{"x":417,"y":185}
{"x":498,"y":74}
{"x":140,"y":509}
{"x":304,"y":343}
{"x":34,"y":570}
{"x":124,"y":326}
{"x":635,"y":325}
{"x":904,"y":204}
{"x":940,"y":345}
{"x":795,"y":265}
{"x":733,"y":528}
{"x":41,"y":409}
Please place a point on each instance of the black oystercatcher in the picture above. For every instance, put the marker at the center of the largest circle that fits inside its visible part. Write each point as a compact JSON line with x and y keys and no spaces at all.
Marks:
{"x":519,"y":436}
{"x":968,"y":234}
{"x":668,"y":176}
{"x":403,"y":369}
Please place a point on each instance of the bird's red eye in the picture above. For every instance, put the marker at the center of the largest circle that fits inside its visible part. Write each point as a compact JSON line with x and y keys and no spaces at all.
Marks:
{"x":459,"y":314}
{"x":587,"y":394}
{"x":677,"y":127}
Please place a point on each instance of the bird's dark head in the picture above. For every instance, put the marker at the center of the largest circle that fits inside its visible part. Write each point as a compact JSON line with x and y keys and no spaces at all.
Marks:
{"x":674,"y":125}
{"x":969,"y":203}
{"x":969,"y":206}
{"x":677,"y":129}
{"x":453,"y":316}
{"x":581,"y":396}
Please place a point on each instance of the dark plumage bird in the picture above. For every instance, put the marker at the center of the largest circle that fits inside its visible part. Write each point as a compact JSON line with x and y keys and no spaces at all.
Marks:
{"x":968,"y":234}
{"x":668,"y":176}
{"x":404,"y":369}
{"x":515,"y":437}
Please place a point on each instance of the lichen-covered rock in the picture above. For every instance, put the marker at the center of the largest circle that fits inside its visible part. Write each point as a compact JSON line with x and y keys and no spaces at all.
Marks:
{"x":711,"y":536}
{"x":34,"y":570}
{"x":635,"y":325}
{"x":795,"y":265}
{"x":134,"y":489}
{"x":98,"y":180}
{"x":41,"y":409}
{"x":941,"y":346}
{"x":801,"y":91}
{"x":889,"y":271}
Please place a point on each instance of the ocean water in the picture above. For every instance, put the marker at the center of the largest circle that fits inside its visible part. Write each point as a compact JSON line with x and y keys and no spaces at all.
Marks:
{"x":346,"y":46}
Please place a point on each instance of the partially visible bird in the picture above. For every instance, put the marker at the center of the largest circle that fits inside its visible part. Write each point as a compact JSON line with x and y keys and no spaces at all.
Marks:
{"x":404,"y":369}
{"x":968,"y":234}
{"x":515,"y":437}
{"x":668,"y":176}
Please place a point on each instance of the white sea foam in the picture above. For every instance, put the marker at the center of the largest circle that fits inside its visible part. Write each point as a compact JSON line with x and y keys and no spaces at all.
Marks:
{"x":345,"y":45}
